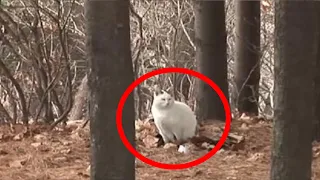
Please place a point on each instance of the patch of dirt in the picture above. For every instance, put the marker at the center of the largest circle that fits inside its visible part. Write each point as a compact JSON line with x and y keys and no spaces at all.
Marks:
{"x":63,"y":154}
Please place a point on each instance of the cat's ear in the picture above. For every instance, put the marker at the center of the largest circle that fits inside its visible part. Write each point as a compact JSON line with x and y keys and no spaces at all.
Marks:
{"x":170,"y":91}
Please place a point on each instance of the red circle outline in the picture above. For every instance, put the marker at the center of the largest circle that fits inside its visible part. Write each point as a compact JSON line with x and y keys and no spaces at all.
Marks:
{"x":173,"y":166}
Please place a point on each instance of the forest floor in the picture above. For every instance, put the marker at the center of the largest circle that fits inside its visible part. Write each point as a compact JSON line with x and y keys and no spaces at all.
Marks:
{"x":63,"y":154}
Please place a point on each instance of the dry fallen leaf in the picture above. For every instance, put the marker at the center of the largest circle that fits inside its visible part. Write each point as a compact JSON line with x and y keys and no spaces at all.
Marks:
{"x":65,"y":151}
{"x":85,"y":175}
{"x":74,"y":124}
{"x":36,"y":144}
{"x":88,"y":169}
{"x":18,"y":137}
{"x":139,"y":125}
{"x":40,"y":137}
{"x":244,"y":117}
{"x":198,"y":172}
{"x":316,"y":155}
{"x":232,"y":178}
{"x":66,"y":143}
{"x":265,"y":3}
{"x":244,"y":126}
{"x":207,"y":146}
{"x":316,"y":151}
{"x":169,"y":145}
{"x":3,"y":152}
{"x":43,"y":148}
{"x":17,"y":163}
{"x":60,"y":159}
{"x":256,"y":156}
{"x":138,"y":163}
{"x":232,"y":156}
{"x":150,"y":141}
{"x":145,"y":125}
{"x":75,"y":135}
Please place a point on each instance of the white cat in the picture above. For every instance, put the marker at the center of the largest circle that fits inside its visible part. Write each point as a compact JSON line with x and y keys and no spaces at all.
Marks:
{"x":175,"y":120}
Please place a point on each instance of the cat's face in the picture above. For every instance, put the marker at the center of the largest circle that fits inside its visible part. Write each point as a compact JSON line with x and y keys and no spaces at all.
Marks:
{"x":162,"y":99}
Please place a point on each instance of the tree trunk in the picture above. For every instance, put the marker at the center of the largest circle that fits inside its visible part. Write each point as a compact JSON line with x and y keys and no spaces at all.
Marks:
{"x":247,"y":68}
{"x":295,"y":55}
{"x":316,"y":122}
{"x":80,"y":100}
{"x":4,"y":115}
{"x":211,"y":57}
{"x":111,"y":72}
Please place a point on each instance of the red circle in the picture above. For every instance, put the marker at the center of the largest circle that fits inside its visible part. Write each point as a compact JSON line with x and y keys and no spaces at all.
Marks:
{"x":173,"y":166}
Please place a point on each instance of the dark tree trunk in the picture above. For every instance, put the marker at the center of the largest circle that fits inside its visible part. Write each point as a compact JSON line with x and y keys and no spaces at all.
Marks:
{"x":210,"y":38}
{"x":316,"y":122}
{"x":247,"y":69}
{"x":111,"y":72}
{"x":295,"y":55}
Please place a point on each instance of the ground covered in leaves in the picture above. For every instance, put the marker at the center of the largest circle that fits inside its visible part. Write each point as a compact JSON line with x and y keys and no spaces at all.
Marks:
{"x":63,"y":154}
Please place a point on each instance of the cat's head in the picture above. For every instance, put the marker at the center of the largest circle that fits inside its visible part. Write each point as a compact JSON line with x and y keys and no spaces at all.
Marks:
{"x":162,"y":99}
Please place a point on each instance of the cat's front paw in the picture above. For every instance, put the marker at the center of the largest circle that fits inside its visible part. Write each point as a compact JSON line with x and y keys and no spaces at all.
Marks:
{"x":183,"y":149}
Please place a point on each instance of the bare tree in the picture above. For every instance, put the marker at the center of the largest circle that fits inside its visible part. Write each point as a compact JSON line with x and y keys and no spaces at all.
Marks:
{"x":247,"y":68}
{"x":110,"y":73}
{"x":295,"y":56}
{"x":80,"y":100}
{"x":210,"y":38}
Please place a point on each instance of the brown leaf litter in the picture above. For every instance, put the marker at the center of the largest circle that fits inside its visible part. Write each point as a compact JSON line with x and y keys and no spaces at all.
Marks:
{"x":63,"y":154}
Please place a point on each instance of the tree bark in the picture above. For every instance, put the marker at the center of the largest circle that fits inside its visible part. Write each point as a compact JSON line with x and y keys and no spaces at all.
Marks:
{"x":211,"y":57}
{"x":247,"y":64}
{"x":295,"y":55}
{"x":80,"y":100}
{"x":110,"y":73}
{"x":316,"y":122}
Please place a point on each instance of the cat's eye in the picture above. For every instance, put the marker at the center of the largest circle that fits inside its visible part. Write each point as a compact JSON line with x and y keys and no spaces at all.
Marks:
{"x":163,"y":99}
